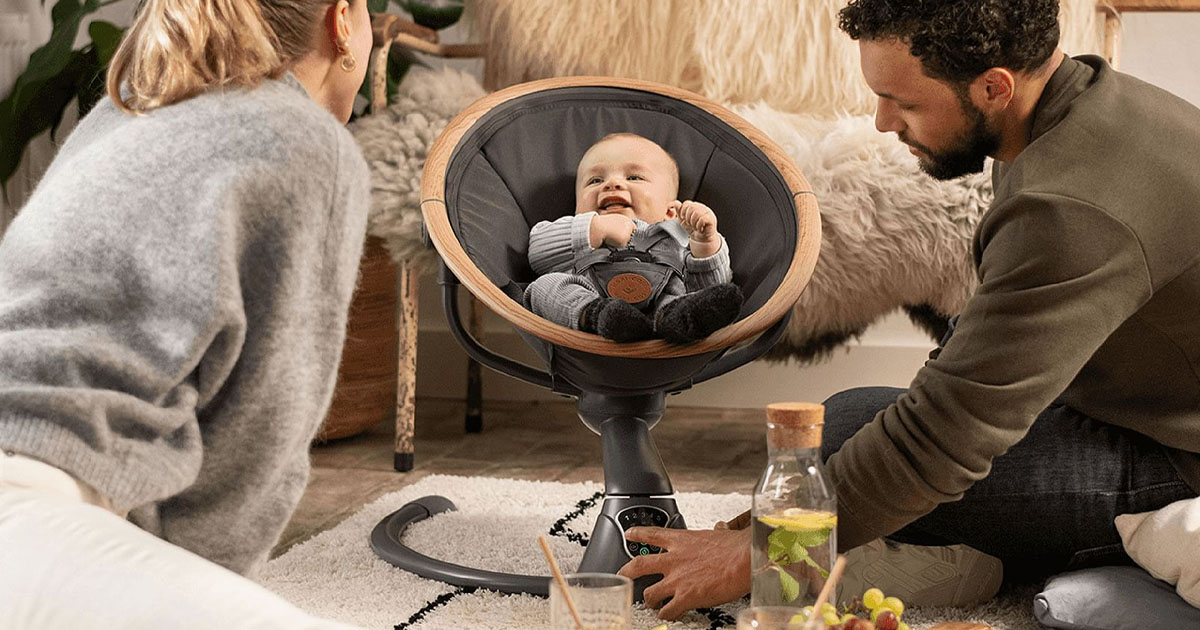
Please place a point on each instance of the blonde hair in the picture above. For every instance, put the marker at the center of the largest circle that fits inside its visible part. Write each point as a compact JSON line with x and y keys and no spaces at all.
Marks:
{"x":177,"y":49}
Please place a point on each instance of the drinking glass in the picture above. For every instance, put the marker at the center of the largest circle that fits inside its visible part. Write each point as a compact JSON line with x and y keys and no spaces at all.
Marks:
{"x":604,"y":602}
{"x":775,"y":618}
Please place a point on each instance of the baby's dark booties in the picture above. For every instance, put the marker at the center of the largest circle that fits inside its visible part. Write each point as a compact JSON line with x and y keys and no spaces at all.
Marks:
{"x":615,"y":319}
{"x":698,"y":315}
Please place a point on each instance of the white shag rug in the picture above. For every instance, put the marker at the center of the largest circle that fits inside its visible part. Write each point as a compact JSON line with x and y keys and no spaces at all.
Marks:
{"x":336,"y":575}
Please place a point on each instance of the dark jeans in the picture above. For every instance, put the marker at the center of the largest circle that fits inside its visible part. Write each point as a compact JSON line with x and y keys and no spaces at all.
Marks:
{"x":1049,"y":502}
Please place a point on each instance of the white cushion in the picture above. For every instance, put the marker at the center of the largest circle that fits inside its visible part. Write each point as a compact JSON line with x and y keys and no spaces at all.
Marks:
{"x":1166,"y":543}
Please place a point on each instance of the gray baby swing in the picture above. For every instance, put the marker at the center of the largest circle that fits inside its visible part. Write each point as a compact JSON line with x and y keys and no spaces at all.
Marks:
{"x":507,"y":162}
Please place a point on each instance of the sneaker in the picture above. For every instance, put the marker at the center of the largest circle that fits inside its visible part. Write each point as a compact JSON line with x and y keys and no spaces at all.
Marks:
{"x":957,"y":575}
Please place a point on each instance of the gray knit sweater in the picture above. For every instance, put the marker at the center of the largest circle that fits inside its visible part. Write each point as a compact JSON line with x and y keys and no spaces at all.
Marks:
{"x":173,"y":303}
{"x":553,"y":246}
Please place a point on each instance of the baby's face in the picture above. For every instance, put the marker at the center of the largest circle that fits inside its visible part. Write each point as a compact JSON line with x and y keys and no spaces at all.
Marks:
{"x":627,"y":175}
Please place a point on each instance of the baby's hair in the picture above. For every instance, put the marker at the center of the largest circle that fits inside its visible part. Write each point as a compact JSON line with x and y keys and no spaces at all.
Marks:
{"x":628,"y":134}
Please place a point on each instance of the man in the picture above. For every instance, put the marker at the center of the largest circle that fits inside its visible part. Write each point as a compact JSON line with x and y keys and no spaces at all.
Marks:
{"x":1069,"y":391}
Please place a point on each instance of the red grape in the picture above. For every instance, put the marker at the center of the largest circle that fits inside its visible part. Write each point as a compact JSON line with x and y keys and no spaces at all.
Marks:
{"x":887,"y":620}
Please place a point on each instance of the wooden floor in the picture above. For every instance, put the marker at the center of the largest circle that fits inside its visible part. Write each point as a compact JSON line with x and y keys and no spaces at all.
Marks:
{"x":705,"y":450}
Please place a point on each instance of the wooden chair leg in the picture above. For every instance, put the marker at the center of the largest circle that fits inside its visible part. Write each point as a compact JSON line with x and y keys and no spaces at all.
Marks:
{"x":406,"y":375}
{"x":474,"y":419}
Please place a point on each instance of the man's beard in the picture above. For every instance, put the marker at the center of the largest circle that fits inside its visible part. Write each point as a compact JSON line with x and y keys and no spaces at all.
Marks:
{"x":968,"y":153}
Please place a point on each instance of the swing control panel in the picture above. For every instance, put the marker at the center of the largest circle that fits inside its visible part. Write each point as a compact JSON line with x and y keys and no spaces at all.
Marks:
{"x":641,"y":516}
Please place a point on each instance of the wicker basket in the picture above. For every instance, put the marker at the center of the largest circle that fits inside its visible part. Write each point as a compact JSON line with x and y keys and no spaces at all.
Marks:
{"x":366,"y":387}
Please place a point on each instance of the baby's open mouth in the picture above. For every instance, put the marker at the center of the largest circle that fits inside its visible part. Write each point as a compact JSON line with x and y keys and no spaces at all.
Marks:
{"x":613,"y":203}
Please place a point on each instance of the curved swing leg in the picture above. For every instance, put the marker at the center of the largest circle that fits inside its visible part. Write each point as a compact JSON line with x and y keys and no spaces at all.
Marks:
{"x":385,"y":542}
{"x":637,"y":492}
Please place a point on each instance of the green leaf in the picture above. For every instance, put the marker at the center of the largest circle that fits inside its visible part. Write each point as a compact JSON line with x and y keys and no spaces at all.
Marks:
{"x":785,"y":542}
{"x":60,"y":89}
{"x":50,"y":59}
{"x":789,"y":585}
{"x":813,"y":538}
{"x":106,"y":36}
{"x":813,"y":563}
{"x":779,"y":546}
{"x":88,"y":73}
{"x":786,"y":547}
{"x":400,"y":59}
{"x":377,"y":6}
{"x":90,"y":80}
{"x":52,"y":97}
{"x":434,"y":14}
{"x":42,"y":91}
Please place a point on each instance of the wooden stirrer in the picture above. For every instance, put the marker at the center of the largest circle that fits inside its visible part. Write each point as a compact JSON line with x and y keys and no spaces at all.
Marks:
{"x":827,"y":590}
{"x":562,"y":583}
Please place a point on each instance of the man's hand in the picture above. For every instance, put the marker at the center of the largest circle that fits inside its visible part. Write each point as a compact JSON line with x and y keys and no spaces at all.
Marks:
{"x":610,"y":229}
{"x":699,"y":568}
{"x":701,"y":224}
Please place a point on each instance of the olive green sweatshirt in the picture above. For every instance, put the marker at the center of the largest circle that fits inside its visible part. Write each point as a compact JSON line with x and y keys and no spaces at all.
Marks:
{"x":1089,"y":269}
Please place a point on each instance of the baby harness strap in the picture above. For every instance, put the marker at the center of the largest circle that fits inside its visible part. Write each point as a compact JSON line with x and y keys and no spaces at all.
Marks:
{"x":639,"y":272}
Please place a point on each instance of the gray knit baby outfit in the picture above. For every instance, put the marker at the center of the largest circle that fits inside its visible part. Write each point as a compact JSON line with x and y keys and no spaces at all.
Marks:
{"x":560,"y":295}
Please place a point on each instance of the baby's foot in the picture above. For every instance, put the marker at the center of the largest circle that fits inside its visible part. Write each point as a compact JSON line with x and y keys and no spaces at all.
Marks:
{"x":616,"y":320}
{"x":698,"y":315}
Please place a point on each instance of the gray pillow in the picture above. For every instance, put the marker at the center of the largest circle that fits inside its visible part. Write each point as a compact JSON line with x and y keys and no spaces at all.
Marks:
{"x":1112,"y":598}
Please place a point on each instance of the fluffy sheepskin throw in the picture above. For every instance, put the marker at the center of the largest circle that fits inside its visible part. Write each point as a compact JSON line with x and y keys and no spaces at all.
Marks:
{"x":892,"y":237}
{"x":395,"y":142}
{"x":788,"y":54}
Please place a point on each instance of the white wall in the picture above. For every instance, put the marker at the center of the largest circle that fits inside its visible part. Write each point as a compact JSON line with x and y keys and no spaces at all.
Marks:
{"x":1163,"y":48}
{"x":1160,"y":48}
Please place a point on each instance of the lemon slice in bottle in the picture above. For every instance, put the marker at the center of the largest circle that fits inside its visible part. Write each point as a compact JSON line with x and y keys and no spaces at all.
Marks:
{"x":798,"y":520}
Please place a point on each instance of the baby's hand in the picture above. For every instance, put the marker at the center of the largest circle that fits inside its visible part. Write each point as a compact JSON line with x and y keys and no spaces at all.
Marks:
{"x":699,"y":221}
{"x":610,"y":229}
{"x":701,"y":224}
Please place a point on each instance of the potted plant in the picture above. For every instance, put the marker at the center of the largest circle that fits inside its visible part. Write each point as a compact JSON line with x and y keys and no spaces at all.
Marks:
{"x":58,"y":73}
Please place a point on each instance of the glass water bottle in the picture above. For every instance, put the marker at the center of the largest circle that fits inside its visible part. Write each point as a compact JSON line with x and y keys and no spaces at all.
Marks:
{"x":793,"y":539}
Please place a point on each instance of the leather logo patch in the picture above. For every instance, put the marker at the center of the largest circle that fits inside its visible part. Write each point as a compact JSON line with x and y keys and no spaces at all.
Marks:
{"x":629,"y":287}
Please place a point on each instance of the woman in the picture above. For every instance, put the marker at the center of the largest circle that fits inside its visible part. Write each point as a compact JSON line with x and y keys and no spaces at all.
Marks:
{"x":173,"y":303}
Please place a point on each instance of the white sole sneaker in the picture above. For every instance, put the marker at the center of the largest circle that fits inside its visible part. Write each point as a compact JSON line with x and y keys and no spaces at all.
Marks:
{"x":957,"y":575}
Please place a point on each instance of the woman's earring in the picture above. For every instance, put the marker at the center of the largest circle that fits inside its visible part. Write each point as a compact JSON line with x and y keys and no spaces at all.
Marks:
{"x":348,"y":60}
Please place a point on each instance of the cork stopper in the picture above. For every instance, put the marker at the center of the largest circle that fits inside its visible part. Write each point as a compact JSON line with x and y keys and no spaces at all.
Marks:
{"x":795,"y":424}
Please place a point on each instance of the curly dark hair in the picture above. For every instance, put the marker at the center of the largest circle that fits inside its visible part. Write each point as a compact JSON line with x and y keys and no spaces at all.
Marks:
{"x":957,"y":40}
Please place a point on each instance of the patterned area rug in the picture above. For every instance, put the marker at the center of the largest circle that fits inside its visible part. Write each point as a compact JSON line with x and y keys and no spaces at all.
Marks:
{"x":335,"y":574}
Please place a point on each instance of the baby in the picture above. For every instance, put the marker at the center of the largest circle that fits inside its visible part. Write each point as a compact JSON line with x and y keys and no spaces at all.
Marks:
{"x":623,"y":267}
